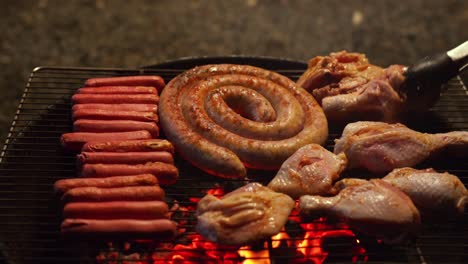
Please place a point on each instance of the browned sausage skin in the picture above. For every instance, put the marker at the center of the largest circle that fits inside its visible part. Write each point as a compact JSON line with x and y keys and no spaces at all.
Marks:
{"x":141,"y":80}
{"x":118,"y":107}
{"x":91,"y":125}
{"x":115,"y":99}
{"x":63,"y":185}
{"x":166,"y":173}
{"x":125,"y":228}
{"x":132,"y":193}
{"x":130,"y":146}
{"x":119,"y":90}
{"x":117,"y":210}
{"x":75,"y":141}
{"x":101,"y":114}
{"x":191,"y":101}
{"x":124,"y":157}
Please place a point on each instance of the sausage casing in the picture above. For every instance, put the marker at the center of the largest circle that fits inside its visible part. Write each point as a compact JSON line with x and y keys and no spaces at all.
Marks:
{"x":117,"y":210}
{"x":141,"y":80}
{"x":118,"y":90}
{"x":166,"y":173}
{"x":91,"y":125}
{"x":63,"y":185}
{"x":124,"y":228}
{"x":132,"y":193}
{"x":130,"y":146}
{"x":75,"y":141}
{"x":118,"y":107}
{"x":115,"y":99}
{"x":101,"y":114}
{"x":219,"y":140}
{"x":124,"y":157}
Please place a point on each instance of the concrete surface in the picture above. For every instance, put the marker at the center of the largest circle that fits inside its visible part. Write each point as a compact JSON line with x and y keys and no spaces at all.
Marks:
{"x":124,"y":33}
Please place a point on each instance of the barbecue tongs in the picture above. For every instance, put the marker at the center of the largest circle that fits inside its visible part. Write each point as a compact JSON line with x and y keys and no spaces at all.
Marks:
{"x":426,"y":77}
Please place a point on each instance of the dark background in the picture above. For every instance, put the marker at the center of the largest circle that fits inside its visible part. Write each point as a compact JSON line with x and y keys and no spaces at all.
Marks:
{"x":124,"y":33}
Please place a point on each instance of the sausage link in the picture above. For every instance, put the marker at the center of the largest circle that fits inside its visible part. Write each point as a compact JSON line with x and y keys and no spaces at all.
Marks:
{"x":118,"y":107}
{"x":130,"y":146}
{"x":220,"y":142}
{"x":75,"y":141}
{"x":154,"y":81}
{"x":62,"y":186}
{"x":166,"y":173}
{"x":114,"y":115}
{"x":124,"y":157}
{"x":131,"y":193}
{"x":89,"y":125}
{"x":121,"y":228}
{"x":117,"y":210}
{"x":115,"y":99}
{"x":118,"y":90}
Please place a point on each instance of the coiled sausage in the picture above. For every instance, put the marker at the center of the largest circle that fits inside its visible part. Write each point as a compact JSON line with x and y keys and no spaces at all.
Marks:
{"x":196,"y":115}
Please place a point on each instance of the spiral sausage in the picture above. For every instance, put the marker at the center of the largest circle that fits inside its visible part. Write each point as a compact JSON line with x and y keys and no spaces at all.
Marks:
{"x":199,"y":112}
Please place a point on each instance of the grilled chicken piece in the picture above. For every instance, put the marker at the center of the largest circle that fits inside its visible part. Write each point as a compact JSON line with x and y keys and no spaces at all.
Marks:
{"x":248,"y":214}
{"x":375,"y":208}
{"x":350,"y":88}
{"x":435,"y":194}
{"x":310,"y":170}
{"x":381,"y":147}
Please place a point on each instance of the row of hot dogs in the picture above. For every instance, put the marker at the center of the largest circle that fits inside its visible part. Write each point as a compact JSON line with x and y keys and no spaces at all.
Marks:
{"x":121,"y":164}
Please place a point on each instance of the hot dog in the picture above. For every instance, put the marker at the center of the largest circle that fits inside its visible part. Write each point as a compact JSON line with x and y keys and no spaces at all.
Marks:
{"x":125,"y":228}
{"x":166,"y":173}
{"x":155,"y":81}
{"x":213,"y":137}
{"x":90,"y":125}
{"x":124,"y":157}
{"x":132,"y":193}
{"x":101,"y":114}
{"x":118,"y":107}
{"x":117,"y":210}
{"x":62,"y":186}
{"x":115,"y":99}
{"x":130,"y":146}
{"x":75,"y":141}
{"x":118,"y":90}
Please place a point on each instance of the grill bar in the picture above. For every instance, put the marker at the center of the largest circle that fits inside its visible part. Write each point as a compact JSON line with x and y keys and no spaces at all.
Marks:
{"x":32,"y":160}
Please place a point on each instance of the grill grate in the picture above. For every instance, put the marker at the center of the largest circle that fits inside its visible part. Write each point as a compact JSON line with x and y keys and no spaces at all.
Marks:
{"x":32,"y":160}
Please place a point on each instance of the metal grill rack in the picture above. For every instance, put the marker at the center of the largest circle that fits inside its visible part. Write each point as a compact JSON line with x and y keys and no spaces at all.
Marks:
{"x":32,"y":160}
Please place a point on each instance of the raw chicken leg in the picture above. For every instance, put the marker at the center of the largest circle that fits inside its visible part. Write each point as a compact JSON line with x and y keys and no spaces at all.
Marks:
{"x":381,"y":147}
{"x":248,"y":214}
{"x":374,"y":207}
{"x":432,"y":192}
{"x":310,"y":170}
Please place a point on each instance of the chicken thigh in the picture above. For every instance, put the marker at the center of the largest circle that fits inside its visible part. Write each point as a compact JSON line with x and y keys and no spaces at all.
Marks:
{"x":381,"y":147}
{"x":248,"y":214}
{"x":350,"y":88}
{"x":310,"y":170}
{"x":375,"y":208}
{"x":432,"y":192}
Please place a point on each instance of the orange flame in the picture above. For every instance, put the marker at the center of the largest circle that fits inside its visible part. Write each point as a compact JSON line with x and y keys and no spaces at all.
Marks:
{"x":255,"y":257}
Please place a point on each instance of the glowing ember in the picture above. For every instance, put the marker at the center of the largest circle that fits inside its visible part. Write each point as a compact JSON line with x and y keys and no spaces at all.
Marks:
{"x":255,"y":256}
{"x":302,"y":244}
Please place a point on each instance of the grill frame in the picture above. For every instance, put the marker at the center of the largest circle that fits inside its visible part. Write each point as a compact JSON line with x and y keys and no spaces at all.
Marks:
{"x":47,"y":94}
